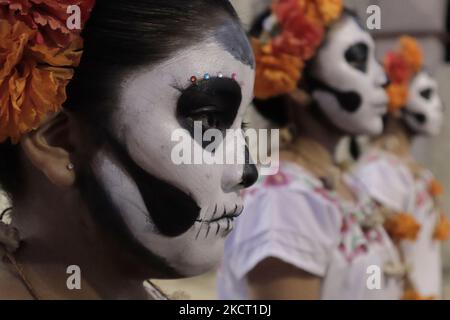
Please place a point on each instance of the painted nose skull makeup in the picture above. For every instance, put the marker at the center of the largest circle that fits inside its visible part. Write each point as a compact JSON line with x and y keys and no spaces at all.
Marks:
{"x":180,"y":213}
{"x":424,"y":110}
{"x":347,"y":81}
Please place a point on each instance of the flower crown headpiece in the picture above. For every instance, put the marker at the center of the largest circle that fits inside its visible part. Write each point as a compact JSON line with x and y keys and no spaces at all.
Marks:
{"x":401,"y":66}
{"x":38,"y":54}
{"x":291,"y":36}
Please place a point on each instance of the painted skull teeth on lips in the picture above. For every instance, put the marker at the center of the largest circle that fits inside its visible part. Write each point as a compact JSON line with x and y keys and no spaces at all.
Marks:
{"x":220,"y":220}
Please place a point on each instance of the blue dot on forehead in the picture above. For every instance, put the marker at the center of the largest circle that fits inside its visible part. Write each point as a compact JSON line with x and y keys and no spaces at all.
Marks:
{"x":232,"y":38}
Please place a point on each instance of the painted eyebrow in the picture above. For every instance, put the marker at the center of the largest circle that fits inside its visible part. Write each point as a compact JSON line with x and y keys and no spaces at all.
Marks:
{"x":232,"y":38}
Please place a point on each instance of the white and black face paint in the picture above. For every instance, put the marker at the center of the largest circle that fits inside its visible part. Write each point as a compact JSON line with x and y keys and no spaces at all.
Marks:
{"x":347,"y":81}
{"x":424,"y":110}
{"x":180,"y":213}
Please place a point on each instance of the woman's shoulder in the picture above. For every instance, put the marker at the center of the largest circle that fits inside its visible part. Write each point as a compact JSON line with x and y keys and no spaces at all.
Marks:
{"x":11,"y":287}
{"x":377,"y":157}
{"x":385,"y":177}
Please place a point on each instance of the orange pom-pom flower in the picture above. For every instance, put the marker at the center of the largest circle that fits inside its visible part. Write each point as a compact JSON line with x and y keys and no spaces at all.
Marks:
{"x":411,"y":51}
{"x":402,"y":226}
{"x":398,"y":95}
{"x":412,"y":294}
{"x":442,"y":230}
{"x":435,"y":188}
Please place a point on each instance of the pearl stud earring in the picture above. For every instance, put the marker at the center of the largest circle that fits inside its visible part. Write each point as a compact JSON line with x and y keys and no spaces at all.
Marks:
{"x":70,"y":166}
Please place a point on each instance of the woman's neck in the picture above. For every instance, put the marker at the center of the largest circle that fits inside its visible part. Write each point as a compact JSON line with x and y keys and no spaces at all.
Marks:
{"x":397,"y":138}
{"x":309,"y":128}
{"x":57,"y":232}
{"x":313,"y":147}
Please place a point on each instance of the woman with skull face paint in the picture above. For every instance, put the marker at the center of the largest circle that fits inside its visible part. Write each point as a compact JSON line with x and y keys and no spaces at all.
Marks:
{"x":305,"y":232}
{"x":409,"y":192}
{"x":90,"y":174}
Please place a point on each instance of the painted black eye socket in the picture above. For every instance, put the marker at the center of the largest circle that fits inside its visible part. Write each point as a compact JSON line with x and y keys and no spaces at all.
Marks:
{"x":357,"y":56}
{"x":214,"y":103}
{"x":427,"y":93}
{"x":420,"y":118}
{"x":210,"y":117}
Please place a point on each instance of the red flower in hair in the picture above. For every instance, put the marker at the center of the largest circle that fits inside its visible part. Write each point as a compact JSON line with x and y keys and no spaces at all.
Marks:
{"x":48,"y":17}
{"x":400,"y":67}
{"x":301,"y":37}
{"x":284,"y":8}
{"x":397,"y":68}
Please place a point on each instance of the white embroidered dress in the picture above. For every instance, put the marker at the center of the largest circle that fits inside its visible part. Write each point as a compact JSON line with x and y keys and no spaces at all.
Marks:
{"x":390,"y":182}
{"x":292,"y":217}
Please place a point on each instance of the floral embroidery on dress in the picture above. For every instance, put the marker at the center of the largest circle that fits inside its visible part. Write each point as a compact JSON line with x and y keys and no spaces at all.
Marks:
{"x":426,"y":190}
{"x":279,"y":179}
{"x":355,"y":240}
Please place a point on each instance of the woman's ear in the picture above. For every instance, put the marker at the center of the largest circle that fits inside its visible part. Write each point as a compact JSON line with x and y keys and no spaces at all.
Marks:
{"x":48,"y":149}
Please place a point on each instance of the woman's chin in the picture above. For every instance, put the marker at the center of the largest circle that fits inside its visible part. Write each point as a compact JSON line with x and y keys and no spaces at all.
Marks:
{"x":200,"y":259}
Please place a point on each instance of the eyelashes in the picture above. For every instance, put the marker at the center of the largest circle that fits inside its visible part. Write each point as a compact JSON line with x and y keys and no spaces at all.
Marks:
{"x":182,"y":87}
{"x":357,"y":56}
{"x":214,"y":102}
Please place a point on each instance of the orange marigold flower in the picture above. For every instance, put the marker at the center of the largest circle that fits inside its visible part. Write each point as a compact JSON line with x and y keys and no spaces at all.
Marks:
{"x":411,"y":52}
{"x":412,"y":294}
{"x":442,"y":230}
{"x":48,"y":17}
{"x":400,"y":67}
{"x":324,"y":12}
{"x":276,"y":74}
{"x":398,"y":96}
{"x":311,"y":11}
{"x":402,"y":226}
{"x":279,"y":62}
{"x":435,"y":188}
{"x":33,"y":78}
{"x":330,"y":10}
